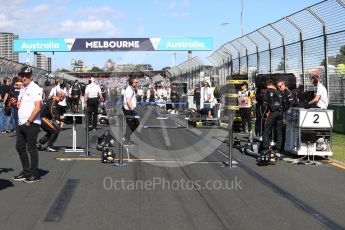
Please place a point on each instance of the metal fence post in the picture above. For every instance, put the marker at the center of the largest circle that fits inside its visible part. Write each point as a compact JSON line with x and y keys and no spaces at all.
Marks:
{"x":283,"y":44}
{"x":121,"y":139}
{"x":269,"y":49}
{"x":87,"y":132}
{"x":257,"y":53}
{"x":120,"y":160}
{"x":230,"y":139}
{"x":302,"y":45}
{"x":324,"y":30}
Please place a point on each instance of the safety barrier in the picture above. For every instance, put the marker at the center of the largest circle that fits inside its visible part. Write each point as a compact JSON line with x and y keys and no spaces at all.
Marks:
{"x":230,"y":116}
{"x":85,"y":152}
{"x":163,"y":103}
{"x":74,"y":133}
{"x":230,"y":130}
{"x":122,"y":117}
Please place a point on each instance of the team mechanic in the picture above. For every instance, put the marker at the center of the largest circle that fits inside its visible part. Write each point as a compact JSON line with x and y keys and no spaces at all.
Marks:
{"x":273,"y":101}
{"x":51,"y":120}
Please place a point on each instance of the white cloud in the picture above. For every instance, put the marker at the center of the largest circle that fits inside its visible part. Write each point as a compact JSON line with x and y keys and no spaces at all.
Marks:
{"x":43,"y":20}
{"x":90,"y":26}
{"x":5,"y":22}
{"x":40,"y":9}
{"x":60,"y":1}
{"x":173,"y":8}
{"x":11,"y":7}
{"x":101,"y":11}
{"x":172,"y":5}
{"x":16,"y":18}
{"x":5,"y":3}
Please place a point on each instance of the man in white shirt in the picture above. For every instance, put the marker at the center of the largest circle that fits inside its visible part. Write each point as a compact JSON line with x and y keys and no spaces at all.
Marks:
{"x":129,"y":104}
{"x":321,"y":98}
{"x":29,"y":105}
{"x":140,"y":95}
{"x":123,"y":92}
{"x":165,"y":94}
{"x":159,"y":96}
{"x":206,"y":99}
{"x":62,"y":106}
{"x":93,"y":94}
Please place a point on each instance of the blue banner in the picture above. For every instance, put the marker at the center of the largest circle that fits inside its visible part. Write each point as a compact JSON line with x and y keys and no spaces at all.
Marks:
{"x":184,"y":44}
{"x":112,"y":44}
{"x":41,"y":45}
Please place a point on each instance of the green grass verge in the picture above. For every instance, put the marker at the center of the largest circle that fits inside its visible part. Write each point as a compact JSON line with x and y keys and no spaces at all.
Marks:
{"x":338,"y":146}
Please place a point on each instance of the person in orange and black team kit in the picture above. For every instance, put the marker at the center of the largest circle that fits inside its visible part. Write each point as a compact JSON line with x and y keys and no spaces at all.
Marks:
{"x":75,"y":96}
{"x":51,"y":119}
{"x":288,"y":100}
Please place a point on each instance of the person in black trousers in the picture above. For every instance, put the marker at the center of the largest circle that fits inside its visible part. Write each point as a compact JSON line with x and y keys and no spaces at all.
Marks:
{"x":129,"y":105}
{"x":51,"y":119}
{"x":29,"y":105}
{"x":196,"y":97}
{"x":15,"y":93}
{"x":245,"y":106}
{"x":93,"y":95}
{"x":288,"y":99}
{"x":273,"y":101}
{"x":75,"y":97}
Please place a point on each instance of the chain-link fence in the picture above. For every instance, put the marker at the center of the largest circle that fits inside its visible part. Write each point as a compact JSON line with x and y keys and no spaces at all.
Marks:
{"x":312,"y":38}
{"x":189,"y":72}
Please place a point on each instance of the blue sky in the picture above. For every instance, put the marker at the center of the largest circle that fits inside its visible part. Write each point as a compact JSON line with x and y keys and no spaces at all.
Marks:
{"x":146,"y":18}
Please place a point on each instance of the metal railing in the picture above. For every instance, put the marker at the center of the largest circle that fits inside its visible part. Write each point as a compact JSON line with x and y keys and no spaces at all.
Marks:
{"x":10,"y":69}
{"x":188,"y":72}
{"x":312,"y":38}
